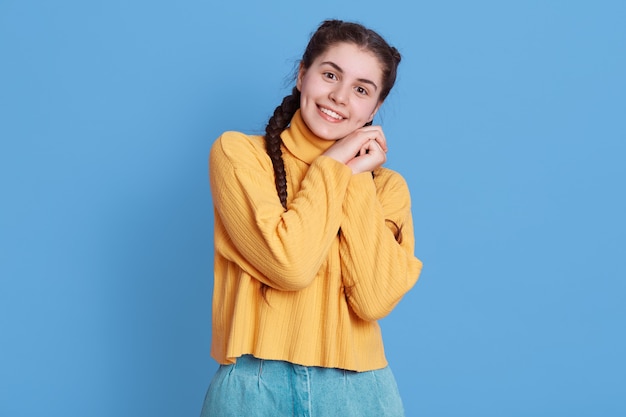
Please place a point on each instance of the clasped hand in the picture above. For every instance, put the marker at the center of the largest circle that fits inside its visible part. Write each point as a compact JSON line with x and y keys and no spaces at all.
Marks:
{"x":363,"y":150}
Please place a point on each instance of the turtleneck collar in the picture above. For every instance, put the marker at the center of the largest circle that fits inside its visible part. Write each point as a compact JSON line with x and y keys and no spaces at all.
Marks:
{"x":303,"y":143}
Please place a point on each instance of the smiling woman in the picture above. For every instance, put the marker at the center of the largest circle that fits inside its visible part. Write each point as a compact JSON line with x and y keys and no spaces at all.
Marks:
{"x":339,"y":92}
{"x":313,"y":243}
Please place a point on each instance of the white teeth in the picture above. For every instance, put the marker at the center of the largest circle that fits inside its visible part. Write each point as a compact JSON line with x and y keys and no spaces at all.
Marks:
{"x":331,"y":113}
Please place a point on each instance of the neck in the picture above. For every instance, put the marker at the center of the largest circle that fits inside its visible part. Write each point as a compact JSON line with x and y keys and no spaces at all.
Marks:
{"x":303,"y":143}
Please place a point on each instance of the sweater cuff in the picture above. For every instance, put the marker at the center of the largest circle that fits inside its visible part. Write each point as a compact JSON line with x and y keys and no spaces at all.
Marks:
{"x":362,"y":180}
{"x":328,"y":163}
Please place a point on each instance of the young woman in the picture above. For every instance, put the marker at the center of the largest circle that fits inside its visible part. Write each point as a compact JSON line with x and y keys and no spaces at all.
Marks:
{"x":313,"y":243}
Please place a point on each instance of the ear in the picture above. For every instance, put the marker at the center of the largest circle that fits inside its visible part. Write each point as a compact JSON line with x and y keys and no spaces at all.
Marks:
{"x":301,"y":71}
{"x":380,"y":103}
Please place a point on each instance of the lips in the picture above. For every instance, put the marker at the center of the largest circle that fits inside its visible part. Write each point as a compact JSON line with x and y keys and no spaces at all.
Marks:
{"x":331,"y":113}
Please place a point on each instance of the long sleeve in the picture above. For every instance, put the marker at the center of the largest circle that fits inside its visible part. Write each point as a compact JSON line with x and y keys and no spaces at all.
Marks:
{"x":283,"y":249}
{"x":331,"y":261}
{"x":377,"y":243}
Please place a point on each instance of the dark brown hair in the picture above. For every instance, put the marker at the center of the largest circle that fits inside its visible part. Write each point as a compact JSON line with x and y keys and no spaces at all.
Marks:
{"x":329,"y":33}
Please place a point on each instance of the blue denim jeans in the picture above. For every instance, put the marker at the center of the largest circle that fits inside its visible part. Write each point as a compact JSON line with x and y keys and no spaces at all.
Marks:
{"x":258,"y":388}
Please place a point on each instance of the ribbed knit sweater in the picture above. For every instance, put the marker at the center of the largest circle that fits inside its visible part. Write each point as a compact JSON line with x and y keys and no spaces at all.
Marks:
{"x":337,"y":260}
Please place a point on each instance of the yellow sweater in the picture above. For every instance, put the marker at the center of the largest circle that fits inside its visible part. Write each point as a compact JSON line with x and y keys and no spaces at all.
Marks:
{"x":332,"y":261}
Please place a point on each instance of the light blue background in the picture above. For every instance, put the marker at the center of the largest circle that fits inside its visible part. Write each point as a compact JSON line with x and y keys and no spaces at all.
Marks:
{"x":508,"y":122}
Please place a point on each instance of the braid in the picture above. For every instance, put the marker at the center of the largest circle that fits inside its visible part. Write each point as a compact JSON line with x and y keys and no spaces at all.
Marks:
{"x":277,"y":123}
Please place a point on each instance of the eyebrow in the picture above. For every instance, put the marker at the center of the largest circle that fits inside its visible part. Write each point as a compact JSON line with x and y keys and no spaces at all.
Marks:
{"x":338,"y":68}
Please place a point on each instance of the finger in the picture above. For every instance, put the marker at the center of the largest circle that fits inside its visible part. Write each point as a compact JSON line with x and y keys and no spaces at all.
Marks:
{"x":376,"y":133}
{"x":374,"y":146}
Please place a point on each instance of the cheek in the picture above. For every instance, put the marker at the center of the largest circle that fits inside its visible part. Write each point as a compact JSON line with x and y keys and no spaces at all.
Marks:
{"x":310,"y":87}
{"x":367,"y":111}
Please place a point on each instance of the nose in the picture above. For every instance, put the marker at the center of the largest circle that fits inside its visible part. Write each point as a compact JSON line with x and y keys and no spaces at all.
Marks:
{"x":339,"y":94}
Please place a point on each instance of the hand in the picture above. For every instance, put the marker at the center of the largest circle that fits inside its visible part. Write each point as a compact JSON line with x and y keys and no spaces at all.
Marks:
{"x":363,"y":150}
{"x":370,"y":157}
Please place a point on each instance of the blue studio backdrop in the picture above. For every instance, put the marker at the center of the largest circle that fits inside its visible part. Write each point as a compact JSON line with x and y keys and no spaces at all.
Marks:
{"x":507,"y":121}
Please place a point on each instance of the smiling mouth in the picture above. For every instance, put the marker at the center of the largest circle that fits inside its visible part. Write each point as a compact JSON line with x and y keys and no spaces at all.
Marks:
{"x":331,"y":113}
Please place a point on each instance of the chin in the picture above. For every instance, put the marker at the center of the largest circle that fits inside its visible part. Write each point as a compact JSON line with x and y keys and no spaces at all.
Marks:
{"x":326,"y":134}
{"x":331,"y":136}
{"x":330,"y":133}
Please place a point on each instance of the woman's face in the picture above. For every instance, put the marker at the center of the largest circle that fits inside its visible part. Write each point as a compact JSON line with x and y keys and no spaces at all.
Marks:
{"x":339,"y":91}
